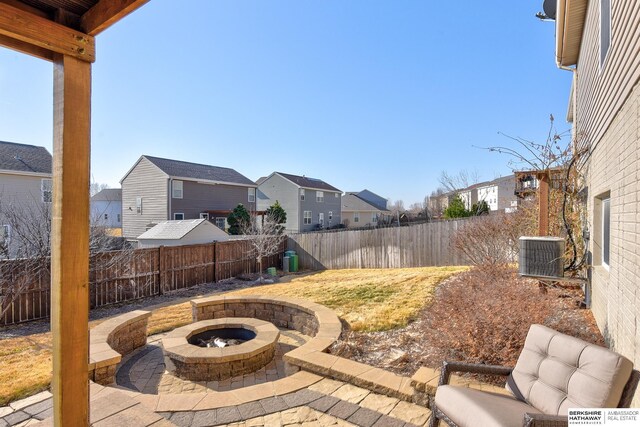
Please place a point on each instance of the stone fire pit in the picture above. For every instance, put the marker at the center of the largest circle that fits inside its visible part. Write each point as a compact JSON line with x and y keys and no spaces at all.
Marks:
{"x":197,"y":363}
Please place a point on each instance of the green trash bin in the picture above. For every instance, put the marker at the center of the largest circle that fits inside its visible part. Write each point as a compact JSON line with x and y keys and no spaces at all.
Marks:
{"x":293,"y":263}
{"x":289,"y":253}
{"x":271,"y":271}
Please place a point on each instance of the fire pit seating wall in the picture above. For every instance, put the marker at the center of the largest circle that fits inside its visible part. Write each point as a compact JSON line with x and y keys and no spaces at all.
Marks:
{"x":309,"y":318}
{"x":112,"y":339}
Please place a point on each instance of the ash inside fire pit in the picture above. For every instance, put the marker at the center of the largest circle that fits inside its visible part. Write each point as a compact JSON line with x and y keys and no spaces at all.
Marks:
{"x":222,"y":337}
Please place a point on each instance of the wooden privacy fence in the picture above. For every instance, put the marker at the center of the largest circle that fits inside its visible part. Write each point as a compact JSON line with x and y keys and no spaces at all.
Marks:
{"x":420,"y":245}
{"x":121,"y":276}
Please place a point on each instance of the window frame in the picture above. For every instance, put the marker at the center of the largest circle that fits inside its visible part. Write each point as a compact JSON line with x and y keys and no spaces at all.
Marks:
{"x":319,"y":196}
{"x":251,"y":194}
{"x":5,"y":237}
{"x":139,"y":205}
{"x":605,"y":249}
{"x":175,"y":214}
{"x":307,"y":219}
{"x":356,"y":217}
{"x":204,"y":215}
{"x":224,"y":222}
{"x":605,"y":31}
{"x":330,"y":215}
{"x":302,"y":194}
{"x":44,"y":183}
{"x":321,"y":218}
{"x":174,"y":190}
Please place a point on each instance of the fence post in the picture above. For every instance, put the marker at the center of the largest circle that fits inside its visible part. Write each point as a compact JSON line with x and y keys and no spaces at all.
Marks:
{"x":161,"y":270}
{"x":215,"y":262}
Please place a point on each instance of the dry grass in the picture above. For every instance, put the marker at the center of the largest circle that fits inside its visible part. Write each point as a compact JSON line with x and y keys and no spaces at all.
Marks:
{"x":369,"y":300}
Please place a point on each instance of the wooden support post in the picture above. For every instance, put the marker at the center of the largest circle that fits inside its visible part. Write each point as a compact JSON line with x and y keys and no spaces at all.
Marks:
{"x":70,"y":240}
{"x":543,"y":203}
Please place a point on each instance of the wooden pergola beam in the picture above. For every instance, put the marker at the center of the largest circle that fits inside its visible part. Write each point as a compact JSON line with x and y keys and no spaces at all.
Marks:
{"x":106,"y":13}
{"x":26,"y":28}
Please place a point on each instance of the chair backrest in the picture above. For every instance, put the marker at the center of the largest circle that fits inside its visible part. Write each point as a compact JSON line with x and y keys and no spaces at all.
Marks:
{"x":556,"y":372}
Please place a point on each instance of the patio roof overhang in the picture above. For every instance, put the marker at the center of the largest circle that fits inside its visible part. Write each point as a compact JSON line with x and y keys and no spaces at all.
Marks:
{"x":62,"y":31}
{"x":569,"y":26}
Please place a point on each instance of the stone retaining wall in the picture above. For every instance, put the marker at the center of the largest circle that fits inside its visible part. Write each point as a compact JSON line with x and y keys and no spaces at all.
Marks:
{"x":111,"y":340}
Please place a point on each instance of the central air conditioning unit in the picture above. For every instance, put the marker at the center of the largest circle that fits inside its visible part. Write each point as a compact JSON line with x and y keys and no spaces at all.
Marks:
{"x":541,"y":256}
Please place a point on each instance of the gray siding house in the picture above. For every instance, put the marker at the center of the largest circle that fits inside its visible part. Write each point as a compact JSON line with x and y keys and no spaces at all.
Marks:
{"x":156,"y":190}
{"x":310,"y":203}
{"x":25,"y":187}
{"x":106,"y":208}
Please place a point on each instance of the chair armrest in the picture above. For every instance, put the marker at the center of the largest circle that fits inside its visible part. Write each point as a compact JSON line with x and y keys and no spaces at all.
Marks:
{"x":475,"y":368}
{"x":542,"y":420}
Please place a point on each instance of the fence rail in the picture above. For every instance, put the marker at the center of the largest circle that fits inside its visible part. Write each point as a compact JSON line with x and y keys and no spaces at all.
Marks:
{"x":119,"y":276}
{"x":420,"y":245}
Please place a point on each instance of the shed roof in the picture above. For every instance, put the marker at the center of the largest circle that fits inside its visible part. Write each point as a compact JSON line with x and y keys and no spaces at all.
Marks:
{"x":24,"y":158}
{"x":175,"y":229}
{"x":180,"y":169}
{"x":306,"y":182}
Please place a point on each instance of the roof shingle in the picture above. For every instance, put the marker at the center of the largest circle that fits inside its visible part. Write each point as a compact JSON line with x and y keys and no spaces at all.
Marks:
{"x":24,"y":158}
{"x":306,"y":182}
{"x":177,"y":168}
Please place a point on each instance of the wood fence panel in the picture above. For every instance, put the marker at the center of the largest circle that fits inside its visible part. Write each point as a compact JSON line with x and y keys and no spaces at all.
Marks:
{"x":419,"y":245}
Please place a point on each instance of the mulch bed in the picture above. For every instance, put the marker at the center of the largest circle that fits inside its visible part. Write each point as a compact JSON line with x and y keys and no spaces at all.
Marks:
{"x":479,"y":316}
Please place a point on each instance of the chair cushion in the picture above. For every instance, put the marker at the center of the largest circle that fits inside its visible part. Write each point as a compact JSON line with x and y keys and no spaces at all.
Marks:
{"x":474,"y":408}
{"x":556,"y":372}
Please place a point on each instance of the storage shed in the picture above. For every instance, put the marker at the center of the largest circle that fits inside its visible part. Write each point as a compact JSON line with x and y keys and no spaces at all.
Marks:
{"x":181,"y":232}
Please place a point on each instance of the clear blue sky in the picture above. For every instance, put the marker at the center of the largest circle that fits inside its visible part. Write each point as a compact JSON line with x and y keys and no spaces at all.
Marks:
{"x":382,"y":95}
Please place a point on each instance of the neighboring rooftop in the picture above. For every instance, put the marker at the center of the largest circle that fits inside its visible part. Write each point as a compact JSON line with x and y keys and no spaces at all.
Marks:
{"x":180,"y":169}
{"x":352,"y":203}
{"x":306,"y":182}
{"x":24,"y":158}
{"x":108,"y":195}
{"x":175,"y":229}
{"x":371,"y":198}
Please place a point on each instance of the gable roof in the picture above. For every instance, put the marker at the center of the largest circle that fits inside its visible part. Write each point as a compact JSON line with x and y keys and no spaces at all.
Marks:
{"x":352,"y":203}
{"x":372,"y":198}
{"x":108,"y":195}
{"x":177,"y":229}
{"x":24,"y":158}
{"x":180,"y":169}
{"x":306,"y":182}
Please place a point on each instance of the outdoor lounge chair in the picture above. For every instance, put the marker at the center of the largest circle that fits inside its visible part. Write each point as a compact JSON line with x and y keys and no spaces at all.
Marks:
{"x":554,"y":372}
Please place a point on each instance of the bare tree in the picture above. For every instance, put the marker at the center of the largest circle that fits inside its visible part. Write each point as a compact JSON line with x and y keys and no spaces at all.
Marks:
{"x":96,"y":187}
{"x":454,"y":182}
{"x":265,"y":233}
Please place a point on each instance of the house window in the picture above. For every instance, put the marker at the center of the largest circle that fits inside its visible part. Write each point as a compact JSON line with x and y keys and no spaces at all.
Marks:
{"x":330,"y":215}
{"x":302,"y":194}
{"x":356,"y":217}
{"x":374,"y":217}
{"x":336,"y":195}
{"x":139,"y":204}
{"x":119,"y":219}
{"x":106,"y":217}
{"x":321,"y":218}
{"x":606,"y":230}
{"x":177,"y":189}
{"x":221,"y":223}
{"x":319,"y":196}
{"x":252,"y":194}
{"x":178,"y":216}
{"x":306,"y":219}
{"x":204,"y":215}
{"x":5,"y":234}
{"x":45,"y":188}
{"x":605,"y":29}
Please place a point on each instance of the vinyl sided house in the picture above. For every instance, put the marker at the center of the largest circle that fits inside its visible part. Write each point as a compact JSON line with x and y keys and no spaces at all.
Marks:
{"x":364,"y":209}
{"x":25,"y":185}
{"x":601,"y":39}
{"x":106,"y":208}
{"x":310,"y":203}
{"x":156,"y":190}
{"x":499,"y":194}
